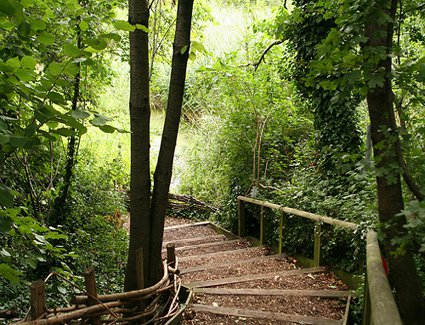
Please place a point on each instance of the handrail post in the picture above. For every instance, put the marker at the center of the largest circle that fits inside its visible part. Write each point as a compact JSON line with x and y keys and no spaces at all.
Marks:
{"x":262,"y":226}
{"x":281,"y":230}
{"x":241,"y":218}
{"x":38,"y":299}
{"x":90,"y":279}
{"x":317,"y":234}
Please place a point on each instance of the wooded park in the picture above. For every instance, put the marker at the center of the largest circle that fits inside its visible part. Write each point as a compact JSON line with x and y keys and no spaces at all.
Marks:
{"x":151,"y":150}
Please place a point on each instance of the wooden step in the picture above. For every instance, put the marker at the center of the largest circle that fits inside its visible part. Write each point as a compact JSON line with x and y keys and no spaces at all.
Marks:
{"x":273,"y":292}
{"x":228,"y":264}
{"x":253,"y":277}
{"x":238,"y":250}
{"x":195,"y":224}
{"x":212,"y":238}
{"x":207,"y":245}
{"x":264,"y":315}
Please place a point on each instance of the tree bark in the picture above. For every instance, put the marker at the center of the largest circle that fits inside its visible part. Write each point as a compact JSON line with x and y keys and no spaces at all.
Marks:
{"x":385,"y":140}
{"x":140,"y":183}
{"x":163,"y":172}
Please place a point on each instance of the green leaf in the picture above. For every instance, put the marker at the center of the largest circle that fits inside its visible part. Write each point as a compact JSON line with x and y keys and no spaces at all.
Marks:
{"x":64,"y":132}
{"x":7,"y":196}
{"x":72,"y":51}
{"x":14,"y":63}
{"x":18,"y":141}
{"x":80,"y":114}
{"x":83,"y":25}
{"x":55,"y":235}
{"x":62,"y":290}
{"x":8,"y":7}
{"x":28,"y":62}
{"x":113,"y":36}
{"x":184,"y":49}
{"x":99,"y":120}
{"x":143,"y":28}
{"x":4,"y":253}
{"x":46,"y":38}
{"x":56,"y":97}
{"x":98,"y":44}
{"x":24,"y":28}
{"x":107,"y":128}
{"x":55,"y":68}
{"x":72,"y":123}
{"x":123,"y":25}
{"x":25,"y":75}
{"x":9,"y":273}
{"x":38,"y":24}
{"x":196,"y":46}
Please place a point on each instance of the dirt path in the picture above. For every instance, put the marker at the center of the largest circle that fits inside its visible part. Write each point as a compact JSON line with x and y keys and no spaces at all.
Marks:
{"x":234,"y":283}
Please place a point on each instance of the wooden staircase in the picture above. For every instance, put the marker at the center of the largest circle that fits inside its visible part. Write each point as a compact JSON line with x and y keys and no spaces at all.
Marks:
{"x":233,"y":282}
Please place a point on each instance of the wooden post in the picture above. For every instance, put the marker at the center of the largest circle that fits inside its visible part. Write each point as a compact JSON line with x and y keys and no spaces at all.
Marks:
{"x":38,"y":299}
{"x":317,"y":233}
{"x":140,"y":277}
{"x":281,"y":231}
{"x":262,"y":226}
{"x":171,"y":254}
{"x":90,"y":279}
{"x":241,"y":219}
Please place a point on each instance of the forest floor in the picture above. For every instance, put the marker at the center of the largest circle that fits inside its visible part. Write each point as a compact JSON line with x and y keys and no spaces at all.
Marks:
{"x":235,"y":283}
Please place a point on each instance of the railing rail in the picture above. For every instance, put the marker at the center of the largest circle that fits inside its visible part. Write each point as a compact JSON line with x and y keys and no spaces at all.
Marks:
{"x":382,"y":304}
{"x":380,"y":307}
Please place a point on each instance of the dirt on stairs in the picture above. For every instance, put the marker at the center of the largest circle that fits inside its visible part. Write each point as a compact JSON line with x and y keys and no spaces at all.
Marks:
{"x":236,"y":283}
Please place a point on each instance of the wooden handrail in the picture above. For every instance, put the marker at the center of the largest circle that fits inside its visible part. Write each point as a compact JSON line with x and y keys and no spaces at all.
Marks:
{"x":383,"y":308}
{"x":299,"y":213}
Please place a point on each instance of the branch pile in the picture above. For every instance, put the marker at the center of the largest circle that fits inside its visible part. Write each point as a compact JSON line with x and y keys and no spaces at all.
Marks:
{"x":178,"y":203}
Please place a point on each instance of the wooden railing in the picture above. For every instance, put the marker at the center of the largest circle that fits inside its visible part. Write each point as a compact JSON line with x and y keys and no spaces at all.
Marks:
{"x":380,"y":307}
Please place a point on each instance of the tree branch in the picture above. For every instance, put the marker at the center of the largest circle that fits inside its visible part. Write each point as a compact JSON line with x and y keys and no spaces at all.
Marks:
{"x":263,"y":56}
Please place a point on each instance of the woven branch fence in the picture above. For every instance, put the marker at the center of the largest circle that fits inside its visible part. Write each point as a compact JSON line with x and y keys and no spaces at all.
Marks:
{"x":153,"y":305}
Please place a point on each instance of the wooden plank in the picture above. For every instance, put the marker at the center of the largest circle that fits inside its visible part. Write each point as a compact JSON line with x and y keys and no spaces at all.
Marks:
{"x":383,"y":306}
{"x":193,"y":239}
{"x":236,"y":251}
{"x":264,"y":315}
{"x":207,"y":245}
{"x":273,"y":292}
{"x":227,"y":264}
{"x":253,"y":277}
{"x":347,"y":311}
{"x":195,"y":224}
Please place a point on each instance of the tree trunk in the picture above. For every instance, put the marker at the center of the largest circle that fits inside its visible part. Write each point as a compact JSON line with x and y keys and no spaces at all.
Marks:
{"x":140,"y":144}
{"x":385,"y":139}
{"x":163,"y":172}
{"x":57,"y":216}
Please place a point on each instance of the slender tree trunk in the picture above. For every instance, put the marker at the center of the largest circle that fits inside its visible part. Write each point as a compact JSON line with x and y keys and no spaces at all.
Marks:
{"x":163,"y":172}
{"x":140,"y":184}
{"x":57,"y":217}
{"x":385,"y":140}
